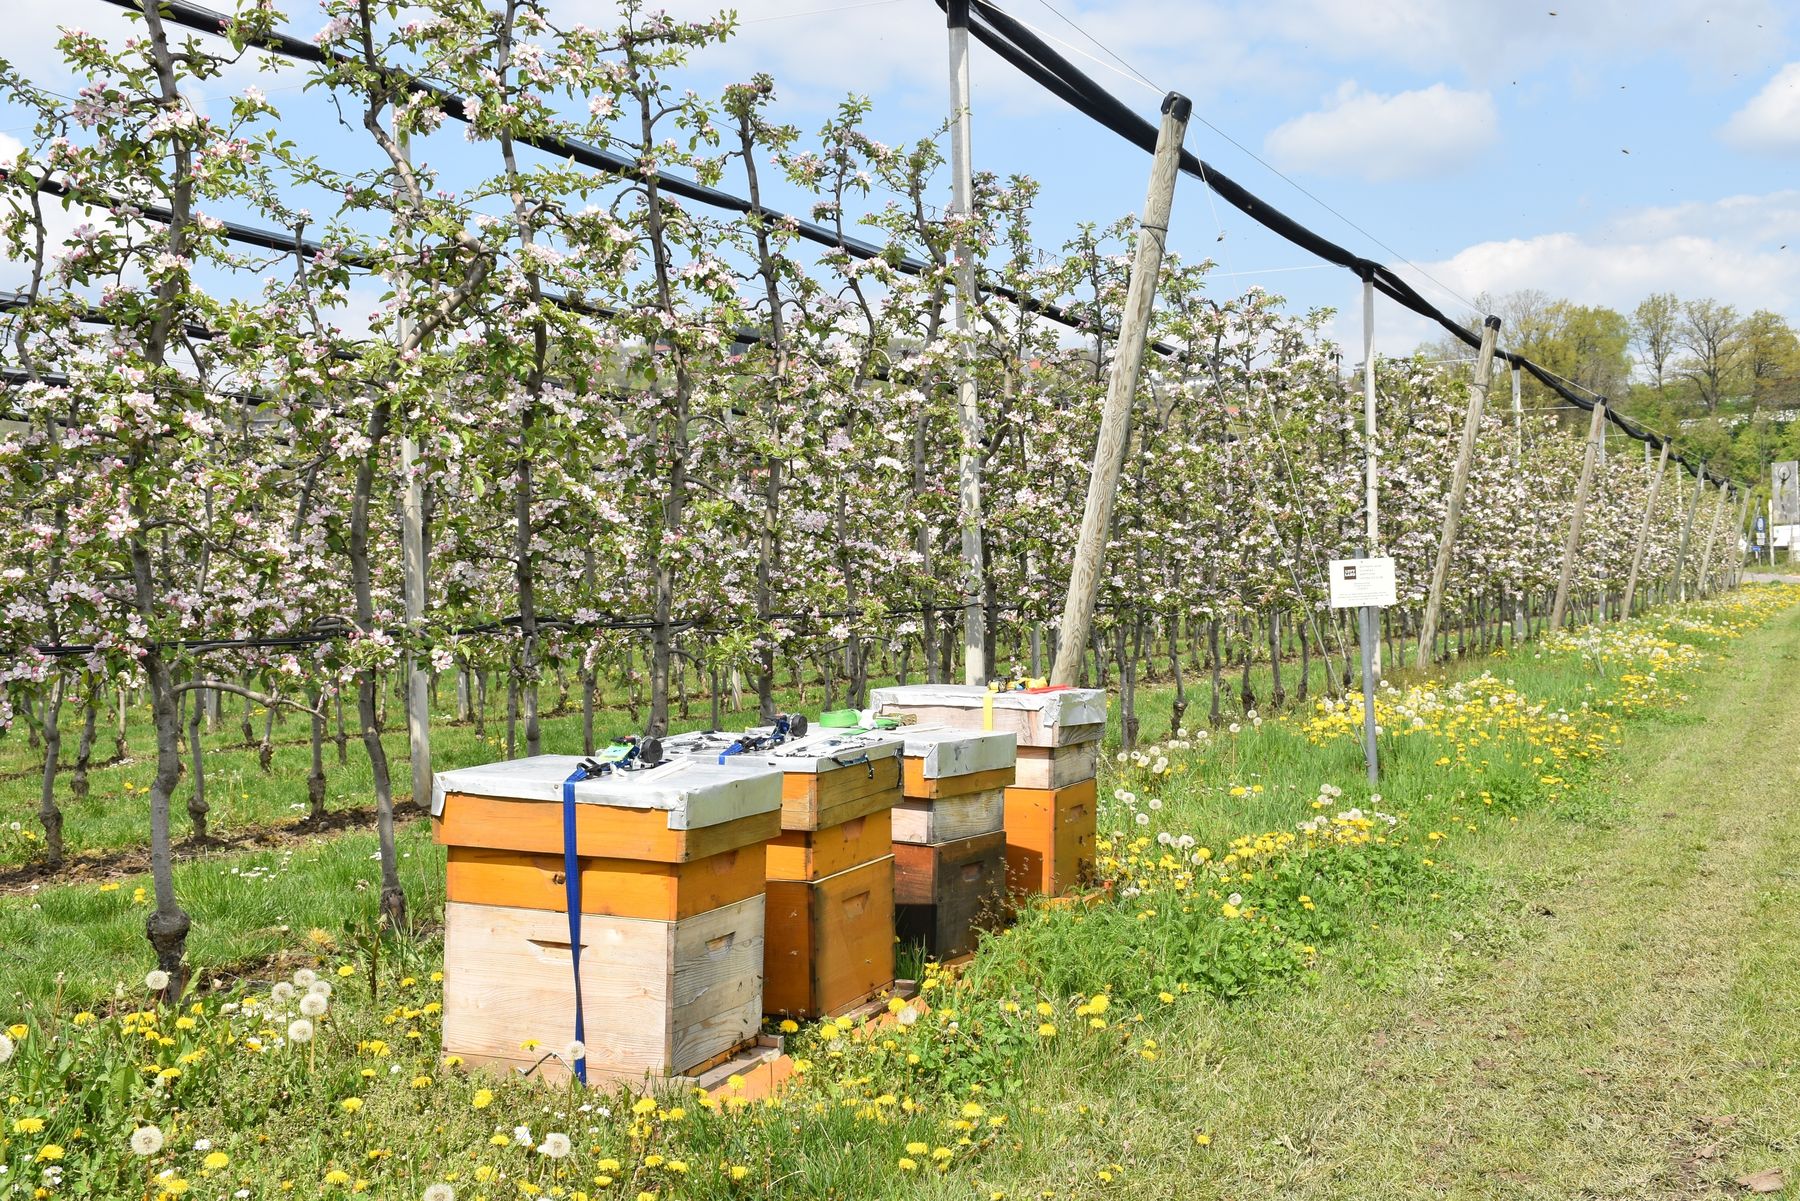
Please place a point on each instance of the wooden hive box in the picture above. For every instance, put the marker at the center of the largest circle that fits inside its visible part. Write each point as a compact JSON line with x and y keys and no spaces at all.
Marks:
{"x":1050,"y":838}
{"x":671,"y":862}
{"x":947,"y":819}
{"x":1057,"y":767}
{"x":945,"y":893}
{"x":830,"y":942}
{"x":1039,"y":717}
{"x":661,"y":997}
{"x":944,"y":761}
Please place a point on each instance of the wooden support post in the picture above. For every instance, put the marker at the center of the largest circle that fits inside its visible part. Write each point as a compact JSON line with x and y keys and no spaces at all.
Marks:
{"x":968,"y":404}
{"x":1459,"y":482}
{"x":1572,"y":544}
{"x":1643,"y":535}
{"x":1121,"y":386}
{"x":1518,"y":464}
{"x":1704,"y":584}
{"x":1737,"y":569}
{"x":1678,"y":585}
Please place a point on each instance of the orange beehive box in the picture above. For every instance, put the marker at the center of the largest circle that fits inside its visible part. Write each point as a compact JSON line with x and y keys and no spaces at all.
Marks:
{"x":1049,"y":838}
{"x":815,"y":854}
{"x":830,"y":942}
{"x":613,"y":887}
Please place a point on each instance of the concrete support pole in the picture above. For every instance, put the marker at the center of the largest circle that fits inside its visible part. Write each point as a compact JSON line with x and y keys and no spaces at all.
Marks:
{"x":1643,"y":534}
{"x":1578,"y":515}
{"x":413,"y":583}
{"x":1459,"y":483}
{"x":1121,"y":387}
{"x":968,"y":404}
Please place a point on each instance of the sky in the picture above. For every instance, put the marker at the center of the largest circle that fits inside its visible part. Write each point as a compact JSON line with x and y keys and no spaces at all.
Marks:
{"x":1598,"y":150}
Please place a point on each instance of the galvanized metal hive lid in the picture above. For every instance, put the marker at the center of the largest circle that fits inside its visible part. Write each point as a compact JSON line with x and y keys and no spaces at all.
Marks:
{"x":947,"y":751}
{"x":812,"y":753}
{"x":693,"y":792}
{"x":1054,"y":706}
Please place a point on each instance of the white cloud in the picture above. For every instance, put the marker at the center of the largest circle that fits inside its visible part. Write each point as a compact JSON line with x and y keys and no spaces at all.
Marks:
{"x":1770,"y":123}
{"x":1727,"y":249}
{"x":1429,"y":132}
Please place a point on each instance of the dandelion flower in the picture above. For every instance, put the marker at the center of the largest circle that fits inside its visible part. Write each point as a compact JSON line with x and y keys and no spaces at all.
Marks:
{"x":313,"y":1005}
{"x":304,"y":977}
{"x":283,"y":992}
{"x":215,"y":1161}
{"x":6,"y":1048}
{"x":146,"y":1140}
{"x":300,"y":1031}
{"x":440,"y":1192}
{"x":350,"y":1104}
{"x":320,"y":988}
{"x":157,"y":980}
{"x":522,"y":1136}
{"x":483,"y":1098}
{"x":575,"y":1050}
{"x":907,"y":1016}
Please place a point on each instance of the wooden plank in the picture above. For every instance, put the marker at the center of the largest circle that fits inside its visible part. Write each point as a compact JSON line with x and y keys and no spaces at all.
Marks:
{"x":830,"y":942}
{"x":1050,"y":838}
{"x":815,"y":802}
{"x":925,"y":875}
{"x":1057,"y":767}
{"x":659,"y":996}
{"x":968,"y":889}
{"x":815,"y":854}
{"x":916,"y":787}
{"x":610,"y":887}
{"x":601,"y":830}
{"x":950,"y":818}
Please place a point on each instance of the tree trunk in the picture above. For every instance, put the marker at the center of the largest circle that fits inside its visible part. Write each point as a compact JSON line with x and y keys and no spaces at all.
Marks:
{"x":315,"y":778}
{"x":197,"y":807}
{"x":49,"y":816}
{"x":84,"y":749}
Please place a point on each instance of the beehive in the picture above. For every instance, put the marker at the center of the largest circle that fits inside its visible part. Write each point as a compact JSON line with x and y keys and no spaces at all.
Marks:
{"x":948,"y":834}
{"x":1050,"y":810}
{"x":1037,"y":717}
{"x":1050,"y":838}
{"x":671,"y":863}
{"x":830,"y":872}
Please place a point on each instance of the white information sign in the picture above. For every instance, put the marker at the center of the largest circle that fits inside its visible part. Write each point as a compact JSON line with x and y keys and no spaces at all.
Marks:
{"x":1356,"y":583}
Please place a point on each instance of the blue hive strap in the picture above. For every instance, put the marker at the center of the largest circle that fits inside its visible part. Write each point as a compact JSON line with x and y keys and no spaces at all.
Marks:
{"x":572,"y":886}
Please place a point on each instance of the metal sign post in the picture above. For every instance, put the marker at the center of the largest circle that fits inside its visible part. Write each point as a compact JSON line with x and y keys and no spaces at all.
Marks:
{"x":1365,"y":585}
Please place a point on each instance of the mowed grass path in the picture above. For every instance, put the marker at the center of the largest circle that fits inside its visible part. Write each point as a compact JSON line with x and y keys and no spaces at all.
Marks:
{"x":1618,"y":1017}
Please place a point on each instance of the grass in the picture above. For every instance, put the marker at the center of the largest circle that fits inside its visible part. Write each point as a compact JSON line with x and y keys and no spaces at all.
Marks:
{"x":1582,"y":988}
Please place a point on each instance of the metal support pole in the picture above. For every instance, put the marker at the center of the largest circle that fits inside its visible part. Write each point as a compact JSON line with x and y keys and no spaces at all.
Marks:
{"x":1121,"y":387}
{"x":1367,"y":634}
{"x":1371,"y":460}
